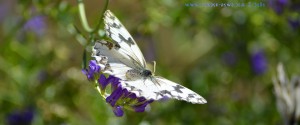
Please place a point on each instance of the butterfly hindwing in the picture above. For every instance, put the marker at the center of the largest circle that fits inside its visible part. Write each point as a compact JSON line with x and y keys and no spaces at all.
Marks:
{"x":142,"y":87}
{"x":157,"y":88}
{"x":174,"y":90}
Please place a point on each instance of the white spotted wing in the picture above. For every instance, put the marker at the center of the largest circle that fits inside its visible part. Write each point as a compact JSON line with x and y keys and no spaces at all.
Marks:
{"x":123,"y":59}
{"x":118,"y":33}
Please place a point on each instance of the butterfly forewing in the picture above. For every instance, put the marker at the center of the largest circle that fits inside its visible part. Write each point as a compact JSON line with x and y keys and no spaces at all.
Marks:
{"x":118,"y":33}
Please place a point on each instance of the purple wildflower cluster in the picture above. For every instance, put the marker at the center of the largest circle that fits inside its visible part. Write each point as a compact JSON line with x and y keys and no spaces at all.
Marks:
{"x":21,"y":117}
{"x":259,"y":62}
{"x":119,"y":98}
{"x":37,"y":25}
{"x":288,"y":6}
{"x":278,"y":5}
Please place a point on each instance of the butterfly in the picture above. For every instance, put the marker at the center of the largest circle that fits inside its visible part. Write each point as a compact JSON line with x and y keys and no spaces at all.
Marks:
{"x":122,"y":58}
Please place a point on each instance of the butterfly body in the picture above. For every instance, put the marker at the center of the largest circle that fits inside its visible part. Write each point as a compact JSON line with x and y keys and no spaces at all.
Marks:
{"x":134,"y":74}
{"x":123,"y":59}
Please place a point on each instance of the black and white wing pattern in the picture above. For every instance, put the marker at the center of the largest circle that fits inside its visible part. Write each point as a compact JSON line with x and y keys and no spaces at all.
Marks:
{"x":114,"y":60}
{"x":158,"y":88}
{"x":118,"y":33}
{"x":123,"y":59}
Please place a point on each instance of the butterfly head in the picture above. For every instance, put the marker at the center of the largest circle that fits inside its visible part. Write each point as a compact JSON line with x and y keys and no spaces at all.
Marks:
{"x":147,"y":73}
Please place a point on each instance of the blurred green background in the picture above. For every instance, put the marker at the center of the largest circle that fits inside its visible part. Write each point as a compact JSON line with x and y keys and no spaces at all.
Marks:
{"x":226,"y":54}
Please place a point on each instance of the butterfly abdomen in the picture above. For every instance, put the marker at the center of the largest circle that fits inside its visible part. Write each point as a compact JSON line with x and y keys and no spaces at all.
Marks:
{"x":134,"y":74}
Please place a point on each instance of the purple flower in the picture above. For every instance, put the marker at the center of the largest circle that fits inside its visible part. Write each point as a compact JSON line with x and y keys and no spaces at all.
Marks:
{"x":118,"y":111}
{"x":141,"y":99}
{"x":294,"y":23}
{"x":20,"y":117}
{"x":115,"y":96}
{"x":122,"y":97}
{"x":115,"y":82}
{"x":92,"y":70}
{"x":259,"y":62}
{"x":278,"y":5}
{"x":36,"y":25}
{"x":141,"y":107}
{"x":90,"y":76}
{"x":119,"y":98}
{"x":103,"y":82}
{"x":132,"y":96}
{"x":94,"y":67}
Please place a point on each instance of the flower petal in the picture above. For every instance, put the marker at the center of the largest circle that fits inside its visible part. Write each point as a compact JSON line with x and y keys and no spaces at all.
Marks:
{"x":114,"y":97}
{"x":118,"y":111}
{"x":103,"y":82}
{"x":115,"y":82}
{"x":89,"y":75}
{"x":141,"y":107}
{"x":94,"y":67}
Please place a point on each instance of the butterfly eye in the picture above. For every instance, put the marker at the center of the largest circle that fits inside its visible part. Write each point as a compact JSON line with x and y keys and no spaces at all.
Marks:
{"x":147,"y":73}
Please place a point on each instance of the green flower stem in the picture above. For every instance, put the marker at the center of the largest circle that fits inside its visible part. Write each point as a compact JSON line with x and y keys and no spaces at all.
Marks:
{"x":83,"y":16}
{"x":86,"y":26}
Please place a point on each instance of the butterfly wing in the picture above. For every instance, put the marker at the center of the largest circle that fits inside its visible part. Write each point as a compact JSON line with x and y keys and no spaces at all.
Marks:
{"x":114,"y":60}
{"x":157,"y":88}
{"x":174,"y":90}
{"x":118,"y":33}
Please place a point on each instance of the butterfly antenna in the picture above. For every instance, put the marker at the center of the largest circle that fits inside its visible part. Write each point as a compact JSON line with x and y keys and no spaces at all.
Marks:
{"x":154,"y":66}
